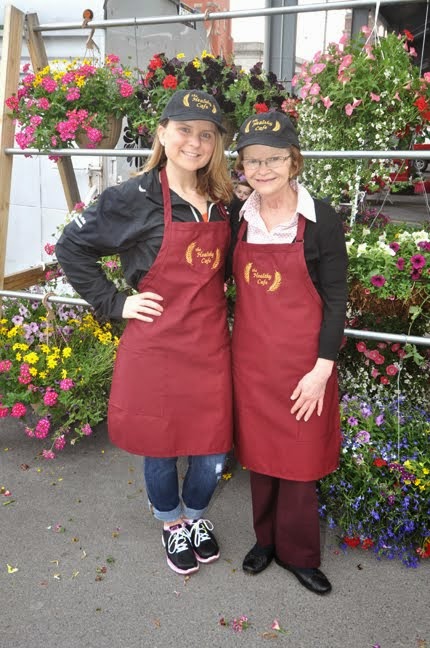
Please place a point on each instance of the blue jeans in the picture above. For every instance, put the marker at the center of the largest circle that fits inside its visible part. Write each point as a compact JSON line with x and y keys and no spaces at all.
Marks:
{"x":161,"y":479}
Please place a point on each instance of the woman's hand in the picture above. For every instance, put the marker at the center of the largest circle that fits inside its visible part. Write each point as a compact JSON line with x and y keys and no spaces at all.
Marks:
{"x":142,"y":307}
{"x":310,"y":390}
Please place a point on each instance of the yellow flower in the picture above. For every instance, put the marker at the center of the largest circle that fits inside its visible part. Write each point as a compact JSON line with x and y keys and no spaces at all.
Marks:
{"x":44,"y":348}
{"x":227,"y":476}
{"x":51,"y":361}
{"x":43,"y":375}
{"x":426,"y":471}
{"x":14,"y":331}
{"x":180,"y":56}
{"x":67,"y":352}
{"x":206,"y":54}
{"x":80,"y":81}
{"x":407,"y":464}
{"x":20,"y":345}
{"x":63,"y":373}
{"x":417,"y":482}
{"x":18,"y":356}
{"x":197,"y":63}
{"x":31,"y":358}
{"x":33,"y":371}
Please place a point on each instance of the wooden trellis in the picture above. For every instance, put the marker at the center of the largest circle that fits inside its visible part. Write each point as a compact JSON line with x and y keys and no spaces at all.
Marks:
{"x":17,"y":24}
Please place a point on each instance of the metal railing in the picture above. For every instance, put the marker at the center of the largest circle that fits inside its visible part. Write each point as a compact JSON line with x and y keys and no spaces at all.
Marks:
{"x":355,"y":333}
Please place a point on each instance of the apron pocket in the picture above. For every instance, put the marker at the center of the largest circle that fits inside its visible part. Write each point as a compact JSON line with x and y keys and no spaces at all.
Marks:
{"x":139,"y":382}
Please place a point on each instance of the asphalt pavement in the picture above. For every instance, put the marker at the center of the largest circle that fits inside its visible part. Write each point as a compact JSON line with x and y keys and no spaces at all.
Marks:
{"x":82,"y":566}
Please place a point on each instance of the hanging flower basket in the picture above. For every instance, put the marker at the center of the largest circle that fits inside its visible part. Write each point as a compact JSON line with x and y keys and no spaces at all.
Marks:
{"x":110,"y":138}
{"x":362,"y":301}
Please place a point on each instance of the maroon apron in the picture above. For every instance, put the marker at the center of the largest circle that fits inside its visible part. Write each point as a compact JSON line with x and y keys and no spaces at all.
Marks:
{"x":276,"y":330}
{"x":171,"y":391}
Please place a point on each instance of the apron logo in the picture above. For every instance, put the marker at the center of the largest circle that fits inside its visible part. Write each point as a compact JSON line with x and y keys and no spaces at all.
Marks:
{"x":210,"y":258}
{"x":272,"y":281}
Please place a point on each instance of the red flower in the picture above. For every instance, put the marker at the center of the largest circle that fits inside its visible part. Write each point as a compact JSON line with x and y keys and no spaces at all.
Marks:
{"x":351,"y":542}
{"x":384,"y":380}
{"x":155,"y":63}
{"x":379,"y":462}
{"x":367,"y":543}
{"x":361,"y":347}
{"x":409,"y":36}
{"x":261,"y":108}
{"x":170,"y":81}
{"x":391,"y":370}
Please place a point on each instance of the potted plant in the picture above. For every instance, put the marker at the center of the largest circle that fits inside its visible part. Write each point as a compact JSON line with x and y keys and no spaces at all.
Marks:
{"x":359,"y":95}
{"x":238,"y":92}
{"x":68,"y":100}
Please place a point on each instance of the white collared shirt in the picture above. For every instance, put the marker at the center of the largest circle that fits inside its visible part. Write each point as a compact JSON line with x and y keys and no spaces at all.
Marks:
{"x":284,"y":232}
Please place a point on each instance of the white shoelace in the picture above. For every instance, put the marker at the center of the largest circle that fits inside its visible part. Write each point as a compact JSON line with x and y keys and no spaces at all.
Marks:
{"x":178,"y":541}
{"x":200,"y":530}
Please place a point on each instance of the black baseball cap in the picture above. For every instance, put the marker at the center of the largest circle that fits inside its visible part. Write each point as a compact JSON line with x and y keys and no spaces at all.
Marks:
{"x":270,"y":129}
{"x":188,"y":105}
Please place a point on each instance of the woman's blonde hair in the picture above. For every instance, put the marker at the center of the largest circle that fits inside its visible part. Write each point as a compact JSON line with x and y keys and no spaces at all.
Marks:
{"x":297,"y":162}
{"x":213,"y":180}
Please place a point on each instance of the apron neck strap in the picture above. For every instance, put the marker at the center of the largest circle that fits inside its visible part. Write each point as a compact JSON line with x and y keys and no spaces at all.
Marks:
{"x":167,"y":204}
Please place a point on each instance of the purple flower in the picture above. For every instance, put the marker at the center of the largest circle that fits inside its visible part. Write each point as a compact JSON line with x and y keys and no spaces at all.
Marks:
{"x":400,"y":264}
{"x":17,"y":320}
{"x":379,"y":420}
{"x":378,"y":280}
{"x":424,"y":245}
{"x":352,"y":420}
{"x":394,"y":246}
{"x":362,"y":437}
{"x":418,"y":261}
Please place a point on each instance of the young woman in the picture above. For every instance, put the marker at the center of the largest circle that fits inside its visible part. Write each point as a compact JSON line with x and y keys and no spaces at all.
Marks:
{"x":289,"y":266}
{"x":171,"y":388}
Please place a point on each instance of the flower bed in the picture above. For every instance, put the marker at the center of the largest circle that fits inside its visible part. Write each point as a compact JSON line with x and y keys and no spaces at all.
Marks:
{"x":379,"y":498}
{"x":56,"y":364}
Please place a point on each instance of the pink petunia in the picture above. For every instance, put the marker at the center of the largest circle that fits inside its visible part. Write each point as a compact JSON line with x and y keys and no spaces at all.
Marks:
{"x":378,"y":280}
{"x":391,"y":370}
{"x":48,"y":454}
{"x":317,"y":68}
{"x":361,"y":347}
{"x":327,"y":102}
{"x":394,"y":246}
{"x":418,"y":261}
{"x":400,"y":263}
{"x":375,"y":97}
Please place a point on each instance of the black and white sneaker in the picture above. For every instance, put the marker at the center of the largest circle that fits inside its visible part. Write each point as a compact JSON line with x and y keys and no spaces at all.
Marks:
{"x":203,"y":540}
{"x":180,"y":555}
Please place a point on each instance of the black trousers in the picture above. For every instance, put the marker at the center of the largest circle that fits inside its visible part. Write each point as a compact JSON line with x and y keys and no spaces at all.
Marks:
{"x":285,"y":515}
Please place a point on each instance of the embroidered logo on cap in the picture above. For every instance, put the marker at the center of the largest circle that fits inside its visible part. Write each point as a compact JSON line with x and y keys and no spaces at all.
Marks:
{"x":210,"y":258}
{"x":272,"y":280}
{"x":193,"y":100}
{"x":258,"y":125}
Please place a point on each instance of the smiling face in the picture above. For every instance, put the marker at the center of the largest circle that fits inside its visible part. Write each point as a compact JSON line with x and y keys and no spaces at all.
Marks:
{"x":267,"y":181}
{"x":188,"y":145}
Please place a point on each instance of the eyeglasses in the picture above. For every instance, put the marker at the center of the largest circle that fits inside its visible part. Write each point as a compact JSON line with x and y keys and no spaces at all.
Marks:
{"x":270,"y":162}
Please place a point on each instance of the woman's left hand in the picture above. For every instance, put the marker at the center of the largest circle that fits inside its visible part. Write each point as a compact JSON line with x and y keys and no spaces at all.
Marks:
{"x":310,"y":390}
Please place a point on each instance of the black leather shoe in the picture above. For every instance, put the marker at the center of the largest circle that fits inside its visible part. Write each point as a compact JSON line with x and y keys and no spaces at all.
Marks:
{"x":312,"y":578}
{"x":258,"y":559}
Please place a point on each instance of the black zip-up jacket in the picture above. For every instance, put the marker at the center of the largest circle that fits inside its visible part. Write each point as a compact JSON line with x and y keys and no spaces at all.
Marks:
{"x":128,"y":220}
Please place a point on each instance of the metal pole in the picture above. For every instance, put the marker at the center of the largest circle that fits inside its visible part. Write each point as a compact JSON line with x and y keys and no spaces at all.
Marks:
{"x":355,"y":333}
{"x":317,"y":155}
{"x":221,"y":15}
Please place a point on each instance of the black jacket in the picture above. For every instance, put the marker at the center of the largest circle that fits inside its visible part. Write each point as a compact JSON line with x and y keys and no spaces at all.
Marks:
{"x":127,"y":220}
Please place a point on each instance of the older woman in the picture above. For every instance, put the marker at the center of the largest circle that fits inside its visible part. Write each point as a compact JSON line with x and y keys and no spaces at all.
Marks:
{"x":289,"y":265}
